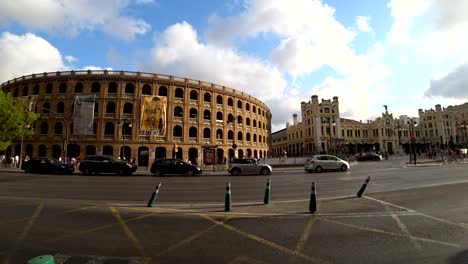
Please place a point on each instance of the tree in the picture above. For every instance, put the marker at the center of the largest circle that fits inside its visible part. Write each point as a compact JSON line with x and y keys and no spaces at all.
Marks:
{"x":14,"y":119}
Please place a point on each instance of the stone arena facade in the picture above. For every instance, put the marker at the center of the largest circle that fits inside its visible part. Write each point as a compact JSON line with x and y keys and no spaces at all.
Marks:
{"x":205,"y":122}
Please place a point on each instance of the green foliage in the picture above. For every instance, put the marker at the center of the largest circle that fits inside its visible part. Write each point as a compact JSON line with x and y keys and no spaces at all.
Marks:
{"x":15,"y":118}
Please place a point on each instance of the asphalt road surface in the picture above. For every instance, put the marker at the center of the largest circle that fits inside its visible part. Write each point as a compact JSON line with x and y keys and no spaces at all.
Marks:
{"x":407,"y":215}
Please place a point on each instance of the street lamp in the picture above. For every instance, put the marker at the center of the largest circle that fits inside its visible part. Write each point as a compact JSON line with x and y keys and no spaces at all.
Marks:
{"x":411,"y":125}
{"x":129,"y":124}
{"x":21,"y":147}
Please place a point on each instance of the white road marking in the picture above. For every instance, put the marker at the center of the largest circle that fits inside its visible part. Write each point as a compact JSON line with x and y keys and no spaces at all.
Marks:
{"x":405,"y":230}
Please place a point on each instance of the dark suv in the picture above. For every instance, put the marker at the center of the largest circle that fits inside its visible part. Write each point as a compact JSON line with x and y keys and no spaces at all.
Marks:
{"x":174,"y":166}
{"x":106,"y":164}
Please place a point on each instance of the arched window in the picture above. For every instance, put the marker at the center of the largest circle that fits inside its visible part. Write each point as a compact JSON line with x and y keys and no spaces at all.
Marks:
{"x":96,"y":107}
{"x":260,"y":138}
{"x":58,"y":128}
{"x":230,"y":118}
{"x":219,"y":116}
{"x":179,"y":93}
{"x":178,"y":112}
{"x":177,"y":132}
{"x":162,"y":91}
{"x":110,"y":108}
{"x":230,"y":135}
{"x":48,"y":89}
{"x":112,"y":88}
{"x":207,"y":98}
{"x":254,"y":109}
{"x":79,"y":87}
{"x":239,"y":104}
{"x":146,"y":89}
{"x":207,"y":115}
{"x":247,"y":136}
{"x":247,"y":121}
{"x":109,"y":128}
{"x":44,"y":128}
{"x":239,"y":135}
{"x":247,"y":106}
{"x":259,"y":111}
{"x":25,"y":90}
{"x":230,"y":102}
{"x":219,"y":134}
{"x":254,"y":137}
{"x":239,"y":120}
{"x":219,"y":99}
{"x":128,"y":108}
{"x":96,"y":87}
{"x":46,"y":108}
{"x":193,"y":95}
{"x":36,"y":89}
{"x":254,"y":123}
{"x":63,"y":88}
{"x":129,"y":88}
{"x":193,"y":113}
{"x":60,"y":107}
{"x":206,"y":133}
{"x":259,"y":124}
{"x":193,"y":132}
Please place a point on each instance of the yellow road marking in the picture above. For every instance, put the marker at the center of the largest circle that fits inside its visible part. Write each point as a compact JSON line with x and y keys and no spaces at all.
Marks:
{"x":405,"y":230}
{"x":44,"y":215}
{"x":25,"y":232}
{"x":390,"y":233}
{"x":305,"y":234}
{"x":128,"y":232}
{"x":189,"y":239}
{"x":264,"y":241}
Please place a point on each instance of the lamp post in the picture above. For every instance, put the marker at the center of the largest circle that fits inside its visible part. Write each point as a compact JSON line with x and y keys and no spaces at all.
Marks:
{"x":463,"y":130}
{"x":129,"y":124}
{"x":411,"y":125}
{"x":21,"y":147}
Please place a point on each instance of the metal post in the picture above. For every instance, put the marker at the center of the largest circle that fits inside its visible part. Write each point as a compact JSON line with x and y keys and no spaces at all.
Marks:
{"x":21,"y":150}
{"x":123,"y":147}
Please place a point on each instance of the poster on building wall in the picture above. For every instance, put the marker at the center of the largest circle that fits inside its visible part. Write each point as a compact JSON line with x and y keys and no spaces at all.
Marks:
{"x":83,"y":114}
{"x":209,"y":156}
{"x":153,"y":115}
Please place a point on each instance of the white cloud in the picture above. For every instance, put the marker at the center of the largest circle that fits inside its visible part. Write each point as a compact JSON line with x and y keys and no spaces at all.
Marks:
{"x":71,"y":59}
{"x":178,"y":51}
{"x":71,"y":17}
{"x":95,"y":68}
{"x":362,"y":23}
{"x":26,"y":54}
{"x":452,"y":85}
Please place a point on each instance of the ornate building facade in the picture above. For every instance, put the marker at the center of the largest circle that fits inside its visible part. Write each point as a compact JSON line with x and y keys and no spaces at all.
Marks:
{"x":204,"y":122}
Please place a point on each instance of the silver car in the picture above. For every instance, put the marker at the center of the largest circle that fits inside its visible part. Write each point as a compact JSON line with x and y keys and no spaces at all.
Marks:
{"x":319,"y":163}
{"x":249,"y":166}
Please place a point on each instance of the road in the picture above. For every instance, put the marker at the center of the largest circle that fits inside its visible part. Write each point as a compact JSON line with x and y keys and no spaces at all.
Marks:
{"x":408,"y":215}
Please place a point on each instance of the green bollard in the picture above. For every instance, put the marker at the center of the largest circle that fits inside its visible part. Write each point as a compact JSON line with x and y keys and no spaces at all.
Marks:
{"x":267,"y":198}
{"x":44,"y":259}
{"x":313,"y":201}
{"x":363,"y":187}
{"x":154,"y":196}
{"x":227,"y":199}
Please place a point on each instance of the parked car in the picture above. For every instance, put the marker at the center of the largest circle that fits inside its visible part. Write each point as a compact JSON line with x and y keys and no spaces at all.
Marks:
{"x":319,"y":163}
{"x":106,"y":164}
{"x":249,"y":166}
{"x":47,"y":166}
{"x":174,"y":166}
{"x":369,"y":156}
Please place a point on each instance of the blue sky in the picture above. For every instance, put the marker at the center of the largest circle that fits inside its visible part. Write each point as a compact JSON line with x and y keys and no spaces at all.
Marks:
{"x":404,"y":54}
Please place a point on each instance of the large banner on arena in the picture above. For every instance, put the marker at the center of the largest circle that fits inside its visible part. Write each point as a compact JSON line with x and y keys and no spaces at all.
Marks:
{"x":153,"y":115}
{"x":83,"y":115}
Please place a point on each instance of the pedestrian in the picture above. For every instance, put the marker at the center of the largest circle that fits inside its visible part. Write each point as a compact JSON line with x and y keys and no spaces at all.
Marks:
{"x":16,"y":161}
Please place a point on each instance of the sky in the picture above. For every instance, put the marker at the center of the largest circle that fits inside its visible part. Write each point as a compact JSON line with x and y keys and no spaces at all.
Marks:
{"x":403,"y":54}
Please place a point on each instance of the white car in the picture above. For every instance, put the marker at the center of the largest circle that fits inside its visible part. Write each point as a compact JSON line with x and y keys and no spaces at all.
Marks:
{"x":319,"y":163}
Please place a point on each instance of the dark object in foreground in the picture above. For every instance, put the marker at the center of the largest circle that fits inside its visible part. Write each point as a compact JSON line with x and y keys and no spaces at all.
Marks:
{"x":47,"y":166}
{"x":106,"y":164}
{"x":174,"y":166}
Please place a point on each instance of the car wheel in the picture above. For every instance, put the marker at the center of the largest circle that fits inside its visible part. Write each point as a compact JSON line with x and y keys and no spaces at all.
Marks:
{"x":87,"y":172}
{"x":344,"y":167}
{"x":157,"y":173}
{"x":265,"y":171}
{"x":190,"y":173}
{"x":318,"y":169}
{"x":122,"y":172}
{"x":235,"y":172}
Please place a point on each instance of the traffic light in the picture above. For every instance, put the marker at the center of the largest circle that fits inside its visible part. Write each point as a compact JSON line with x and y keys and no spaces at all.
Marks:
{"x":412,"y":135}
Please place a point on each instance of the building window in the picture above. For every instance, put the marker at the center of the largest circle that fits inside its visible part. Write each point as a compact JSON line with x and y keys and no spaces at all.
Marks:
{"x":44,"y":128}
{"x":146,"y":89}
{"x":128,"y":108}
{"x":193,"y":132}
{"x":46,"y":108}
{"x":207,"y":115}
{"x":36,"y":89}
{"x":129,"y":88}
{"x":96,"y":88}
{"x":230,"y":102}
{"x":58,"y":128}
{"x":79,"y":88}
{"x":179,"y":93}
{"x":193,"y":113}
{"x":219,"y":116}
{"x":162,"y":91}
{"x":177,"y":131}
{"x":112,"y":88}
{"x":239,"y":104}
{"x":207,"y":98}
{"x":206,"y":133}
{"x":109,"y":128}
{"x":49,"y":88}
{"x":110,"y":108}
{"x":178,"y":112}
{"x":60,"y":107}
{"x":193,"y":95}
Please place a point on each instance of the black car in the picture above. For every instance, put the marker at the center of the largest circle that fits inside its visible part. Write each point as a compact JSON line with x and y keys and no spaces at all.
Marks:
{"x":369,"y":156}
{"x":47,"y":166}
{"x":174,"y":166}
{"x":106,"y":164}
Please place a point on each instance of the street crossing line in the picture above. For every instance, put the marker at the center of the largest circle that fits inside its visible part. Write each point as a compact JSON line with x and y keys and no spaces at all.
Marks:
{"x":405,"y":230}
{"x":128,"y":231}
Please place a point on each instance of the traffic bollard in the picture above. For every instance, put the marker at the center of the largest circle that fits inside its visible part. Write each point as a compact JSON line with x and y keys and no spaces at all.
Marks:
{"x":363,"y":187}
{"x":44,"y":259}
{"x":267,"y":198}
{"x":313,"y":201}
{"x":154,"y":196}
{"x":227,"y":199}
